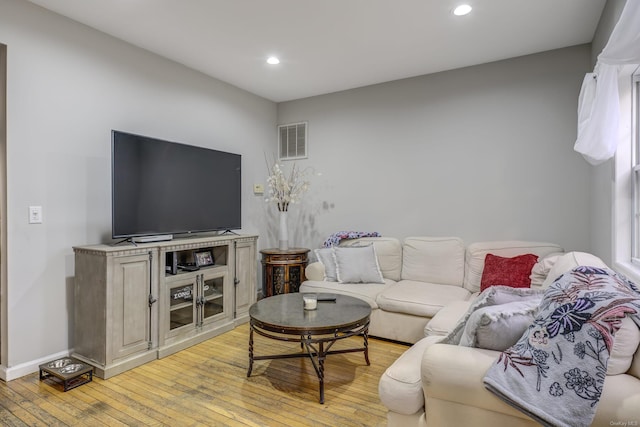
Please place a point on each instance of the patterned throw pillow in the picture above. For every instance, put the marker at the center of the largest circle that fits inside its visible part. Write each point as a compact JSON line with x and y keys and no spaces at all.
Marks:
{"x":513,"y":272}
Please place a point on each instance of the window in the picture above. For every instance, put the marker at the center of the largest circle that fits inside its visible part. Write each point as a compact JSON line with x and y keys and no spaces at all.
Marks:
{"x":635,"y":175}
{"x":625,"y":215}
{"x":292,"y":141}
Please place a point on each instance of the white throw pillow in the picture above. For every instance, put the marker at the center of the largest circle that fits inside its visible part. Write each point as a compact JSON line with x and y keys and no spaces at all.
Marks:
{"x":357,"y":264}
{"x":498,"y":327}
{"x":388,"y":253}
{"x":541,"y":269}
{"x":325,"y":257}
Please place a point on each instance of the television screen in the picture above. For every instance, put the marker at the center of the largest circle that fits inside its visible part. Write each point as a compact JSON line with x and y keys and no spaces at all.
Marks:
{"x":161,"y":187}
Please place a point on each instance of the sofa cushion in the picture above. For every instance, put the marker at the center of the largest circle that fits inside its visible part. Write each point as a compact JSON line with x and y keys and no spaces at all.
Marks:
{"x":388,"y":251}
{"x":357,"y":264}
{"x":365,"y":291}
{"x":400,"y":387}
{"x":325,"y":257}
{"x":433,"y":260}
{"x":419,"y":298}
{"x":513,"y":272}
{"x":625,"y":345}
{"x":498,"y":327}
{"x":476,"y":253}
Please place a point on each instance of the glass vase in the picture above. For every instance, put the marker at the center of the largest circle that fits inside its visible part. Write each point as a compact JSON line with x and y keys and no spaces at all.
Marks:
{"x":283,"y":232}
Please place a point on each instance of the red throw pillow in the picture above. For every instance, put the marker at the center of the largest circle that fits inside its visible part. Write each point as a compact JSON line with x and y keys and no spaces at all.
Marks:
{"x":513,"y":272}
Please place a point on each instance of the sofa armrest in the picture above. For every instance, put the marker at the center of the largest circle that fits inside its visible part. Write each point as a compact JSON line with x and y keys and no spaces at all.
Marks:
{"x":454,"y":373}
{"x":315,"y":271}
{"x":447,"y":318}
{"x":400,"y":387}
{"x":635,"y":364}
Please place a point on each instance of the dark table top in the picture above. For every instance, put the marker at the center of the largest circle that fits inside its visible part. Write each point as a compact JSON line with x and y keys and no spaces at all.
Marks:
{"x":290,"y":251}
{"x":286,"y":314}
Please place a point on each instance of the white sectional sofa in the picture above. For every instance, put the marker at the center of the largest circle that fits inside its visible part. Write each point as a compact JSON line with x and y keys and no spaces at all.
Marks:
{"x":427,"y":285}
{"x":434,"y":384}
{"x":421,"y":276}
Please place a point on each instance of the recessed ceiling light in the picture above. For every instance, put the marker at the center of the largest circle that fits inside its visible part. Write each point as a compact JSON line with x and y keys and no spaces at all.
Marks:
{"x":273,"y":60}
{"x":463,"y":9}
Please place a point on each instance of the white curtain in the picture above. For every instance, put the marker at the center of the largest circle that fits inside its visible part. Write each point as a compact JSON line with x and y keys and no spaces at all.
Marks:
{"x":598,"y":105}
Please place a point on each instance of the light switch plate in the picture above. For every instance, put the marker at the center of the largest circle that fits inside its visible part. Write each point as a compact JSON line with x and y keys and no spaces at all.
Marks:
{"x":35,"y":214}
{"x":258,"y":189}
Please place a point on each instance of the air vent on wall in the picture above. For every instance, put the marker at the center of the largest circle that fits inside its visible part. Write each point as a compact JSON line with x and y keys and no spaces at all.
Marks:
{"x":292,"y":141}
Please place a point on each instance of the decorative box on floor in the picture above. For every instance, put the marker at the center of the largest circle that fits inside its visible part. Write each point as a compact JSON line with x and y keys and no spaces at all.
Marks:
{"x":71,"y":372}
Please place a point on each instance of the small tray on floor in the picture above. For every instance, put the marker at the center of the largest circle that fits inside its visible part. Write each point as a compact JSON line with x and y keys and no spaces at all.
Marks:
{"x":71,"y":372}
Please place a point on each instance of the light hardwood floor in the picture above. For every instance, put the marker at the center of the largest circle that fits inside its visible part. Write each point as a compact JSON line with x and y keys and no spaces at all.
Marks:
{"x":206,"y":385}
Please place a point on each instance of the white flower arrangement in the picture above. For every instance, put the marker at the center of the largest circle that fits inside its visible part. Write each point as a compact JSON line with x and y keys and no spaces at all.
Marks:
{"x":286,"y":188}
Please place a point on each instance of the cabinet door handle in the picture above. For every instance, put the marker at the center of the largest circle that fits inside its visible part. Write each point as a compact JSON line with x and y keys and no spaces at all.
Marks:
{"x":152,"y":300}
{"x":200,"y":302}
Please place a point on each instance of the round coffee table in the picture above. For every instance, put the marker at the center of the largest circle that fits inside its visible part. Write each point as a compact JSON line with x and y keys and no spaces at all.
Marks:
{"x":283,"y":317}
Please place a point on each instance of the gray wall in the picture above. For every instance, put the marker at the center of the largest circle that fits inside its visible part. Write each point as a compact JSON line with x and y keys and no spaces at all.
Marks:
{"x":608,"y":20}
{"x":601,"y":176}
{"x":483,"y":153}
{"x":68,"y":86}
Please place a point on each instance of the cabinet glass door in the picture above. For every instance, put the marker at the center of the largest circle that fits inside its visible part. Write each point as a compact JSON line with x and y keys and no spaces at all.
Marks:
{"x":295,"y":278}
{"x":181,"y":307}
{"x":279,"y":279}
{"x":212,"y":297}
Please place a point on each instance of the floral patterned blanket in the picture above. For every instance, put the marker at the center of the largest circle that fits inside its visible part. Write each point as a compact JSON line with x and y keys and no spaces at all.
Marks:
{"x":335,"y":238}
{"x":556,"y":371}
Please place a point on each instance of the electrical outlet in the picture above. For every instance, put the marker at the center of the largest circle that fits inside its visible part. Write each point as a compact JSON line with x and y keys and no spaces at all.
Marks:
{"x":258,"y":189}
{"x":35,"y":214}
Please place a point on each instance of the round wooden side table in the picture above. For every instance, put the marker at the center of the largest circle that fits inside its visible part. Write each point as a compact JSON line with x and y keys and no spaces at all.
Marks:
{"x":283,"y":270}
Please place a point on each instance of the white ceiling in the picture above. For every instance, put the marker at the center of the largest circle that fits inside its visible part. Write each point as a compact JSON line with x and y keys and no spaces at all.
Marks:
{"x":331,"y":45}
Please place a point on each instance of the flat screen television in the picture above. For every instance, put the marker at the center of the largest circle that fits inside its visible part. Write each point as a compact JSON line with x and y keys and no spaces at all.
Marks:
{"x":164,"y":188}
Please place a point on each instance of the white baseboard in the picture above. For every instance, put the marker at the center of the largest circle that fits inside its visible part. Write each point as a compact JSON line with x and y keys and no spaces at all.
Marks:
{"x":14,"y":372}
